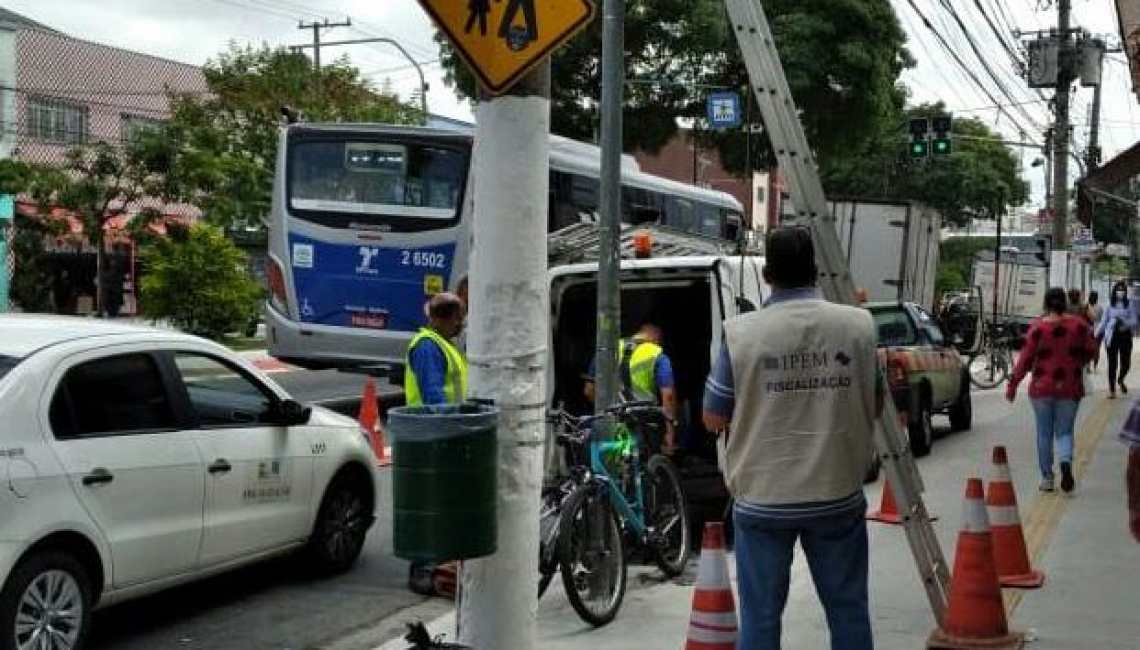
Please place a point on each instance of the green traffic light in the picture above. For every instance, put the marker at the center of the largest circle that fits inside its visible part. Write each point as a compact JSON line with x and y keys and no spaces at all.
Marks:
{"x":919,"y":149}
{"x":942,"y":146}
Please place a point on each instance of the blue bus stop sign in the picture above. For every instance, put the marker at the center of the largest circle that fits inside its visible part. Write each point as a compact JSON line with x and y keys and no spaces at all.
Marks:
{"x":724,"y":110}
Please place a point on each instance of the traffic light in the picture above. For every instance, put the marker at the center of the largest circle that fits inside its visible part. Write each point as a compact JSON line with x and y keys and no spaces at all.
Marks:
{"x":919,"y":142}
{"x":942,"y":143}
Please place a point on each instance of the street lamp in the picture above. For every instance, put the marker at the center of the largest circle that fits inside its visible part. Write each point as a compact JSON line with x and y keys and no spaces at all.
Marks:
{"x":394,"y":43}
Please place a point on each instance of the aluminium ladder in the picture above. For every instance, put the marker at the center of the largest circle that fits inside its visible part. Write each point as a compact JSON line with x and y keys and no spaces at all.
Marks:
{"x":794,"y":157}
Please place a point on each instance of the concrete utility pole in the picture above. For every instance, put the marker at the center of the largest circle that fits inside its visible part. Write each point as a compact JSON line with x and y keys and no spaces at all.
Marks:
{"x":506,"y":348}
{"x":317,"y":27}
{"x":609,"y":249}
{"x":1065,"y":73}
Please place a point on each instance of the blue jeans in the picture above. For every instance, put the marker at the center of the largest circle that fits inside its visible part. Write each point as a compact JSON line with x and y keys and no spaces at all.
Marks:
{"x":1055,"y":418}
{"x":836,"y":550}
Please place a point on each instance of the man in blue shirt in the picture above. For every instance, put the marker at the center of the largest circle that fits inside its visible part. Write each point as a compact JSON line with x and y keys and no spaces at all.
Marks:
{"x":436,"y":372}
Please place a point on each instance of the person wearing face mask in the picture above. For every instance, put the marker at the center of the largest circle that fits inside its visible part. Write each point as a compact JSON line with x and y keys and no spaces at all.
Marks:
{"x":1115,"y":329}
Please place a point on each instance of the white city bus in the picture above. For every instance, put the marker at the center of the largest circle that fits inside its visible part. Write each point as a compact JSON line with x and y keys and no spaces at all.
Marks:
{"x":368,"y":220}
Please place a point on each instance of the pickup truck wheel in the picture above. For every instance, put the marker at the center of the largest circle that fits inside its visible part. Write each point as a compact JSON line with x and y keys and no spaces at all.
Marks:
{"x":962,"y":411}
{"x":921,"y":429}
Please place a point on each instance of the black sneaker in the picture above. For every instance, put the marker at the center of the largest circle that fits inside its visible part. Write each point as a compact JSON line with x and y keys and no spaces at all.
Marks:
{"x":1066,"y":477}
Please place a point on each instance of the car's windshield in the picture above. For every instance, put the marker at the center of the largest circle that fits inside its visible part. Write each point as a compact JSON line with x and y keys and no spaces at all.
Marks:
{"x":893,"y":327}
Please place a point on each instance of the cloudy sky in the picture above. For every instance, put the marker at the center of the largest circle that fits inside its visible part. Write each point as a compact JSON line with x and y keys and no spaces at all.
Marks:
{"x":194,"y":30}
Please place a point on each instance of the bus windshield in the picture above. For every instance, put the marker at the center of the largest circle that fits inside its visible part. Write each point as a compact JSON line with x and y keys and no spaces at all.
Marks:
{"x":340,"y":182}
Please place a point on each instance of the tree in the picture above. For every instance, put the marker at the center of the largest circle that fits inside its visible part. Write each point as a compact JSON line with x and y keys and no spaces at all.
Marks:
{"x":97,"y":182}
{"x":842,"y":59}
{"x":225,"y":141}
{"x":980,"y":176}
{"x":196,"y":279}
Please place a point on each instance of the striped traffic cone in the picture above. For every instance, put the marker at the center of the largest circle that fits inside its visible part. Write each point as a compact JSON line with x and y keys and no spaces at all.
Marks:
{"x":712,"y":625}
{"x":1010,"y":554}
{"x":369,"y":418}
{"x":975,"y":614}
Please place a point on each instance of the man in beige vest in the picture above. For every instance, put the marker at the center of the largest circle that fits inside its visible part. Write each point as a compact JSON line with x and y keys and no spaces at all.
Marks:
{"x":794,"y":394}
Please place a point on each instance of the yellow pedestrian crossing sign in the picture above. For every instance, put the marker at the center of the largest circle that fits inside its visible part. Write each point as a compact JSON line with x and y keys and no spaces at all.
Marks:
{"x":503,"y":39}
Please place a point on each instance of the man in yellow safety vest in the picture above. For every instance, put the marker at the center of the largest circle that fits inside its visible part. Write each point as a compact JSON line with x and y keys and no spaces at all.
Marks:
{"x":646,"y":374}
{"x":435,"y":372}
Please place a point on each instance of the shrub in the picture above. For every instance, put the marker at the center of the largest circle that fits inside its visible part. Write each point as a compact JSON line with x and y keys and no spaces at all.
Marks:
{"x":196,"y":279}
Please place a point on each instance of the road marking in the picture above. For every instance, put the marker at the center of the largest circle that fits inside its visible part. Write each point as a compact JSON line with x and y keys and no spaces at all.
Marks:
{"x":1044,"y":516}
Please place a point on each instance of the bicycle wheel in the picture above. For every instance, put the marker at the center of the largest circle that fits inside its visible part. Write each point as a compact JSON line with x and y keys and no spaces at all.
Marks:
{"x":591,"y":555}
{"x":989,"y":368}
{"x":667,"y":516}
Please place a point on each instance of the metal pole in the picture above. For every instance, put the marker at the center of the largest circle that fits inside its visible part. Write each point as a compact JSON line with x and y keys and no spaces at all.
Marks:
{"x":396,"y":44}
{"x":609,"y":258}
{"x":1061,"y":130}
{"x":1048,"y":155}
{"x":507,"y":352}
{"x":997,"y":263}
{"x":1092,"y":154}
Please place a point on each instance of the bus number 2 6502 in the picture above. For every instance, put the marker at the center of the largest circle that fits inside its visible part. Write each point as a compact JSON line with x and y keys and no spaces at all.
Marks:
{"x":424,"y":259}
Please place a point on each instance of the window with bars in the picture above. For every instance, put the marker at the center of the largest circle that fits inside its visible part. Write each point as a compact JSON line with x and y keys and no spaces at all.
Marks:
{"x":52,"y":120}
{"x":132,"y":126}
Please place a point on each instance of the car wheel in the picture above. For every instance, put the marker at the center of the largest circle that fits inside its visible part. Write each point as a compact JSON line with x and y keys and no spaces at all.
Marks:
{"x":921,"y":429}
{"x":342,"y":523}
{"x":46,"y":604}
{"x":962,"y":412}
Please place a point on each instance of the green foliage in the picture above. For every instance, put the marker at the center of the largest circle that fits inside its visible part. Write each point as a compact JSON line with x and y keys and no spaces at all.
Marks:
{"x":1110,"y":267}
{"x":97,"y":182}
{"x":196,"y":279}
{"x":225,"y":143}
{"x":956,"y":261}
{"x":842,"y":59}
{"x":973,"y":181}
{"x":31,"y":283}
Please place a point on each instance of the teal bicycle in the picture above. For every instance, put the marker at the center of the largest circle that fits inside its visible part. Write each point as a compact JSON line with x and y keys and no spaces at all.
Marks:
{"x":617,"y":496}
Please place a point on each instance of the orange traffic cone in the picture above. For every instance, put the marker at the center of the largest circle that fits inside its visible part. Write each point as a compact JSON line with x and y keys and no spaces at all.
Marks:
{"x":369,"y":419}
{"x":975,"y":614}
{"x":712,"y":625}
{"x":1010,"y":554}
{"x":888,"y":512}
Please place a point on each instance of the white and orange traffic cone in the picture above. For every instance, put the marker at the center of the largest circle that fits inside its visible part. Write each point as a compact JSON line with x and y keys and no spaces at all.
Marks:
{"x":888,"y":512}
{"x":1010,"y":554}
{"x":975,"y":613}
{"x":713,"y":624}
{"x":369,"y":418}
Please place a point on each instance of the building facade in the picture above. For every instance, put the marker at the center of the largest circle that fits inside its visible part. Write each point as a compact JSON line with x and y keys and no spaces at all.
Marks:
{"x":57,"y":91}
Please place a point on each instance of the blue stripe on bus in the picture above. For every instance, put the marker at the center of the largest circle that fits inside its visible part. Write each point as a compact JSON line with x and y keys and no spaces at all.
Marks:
{"x":367,"y":286}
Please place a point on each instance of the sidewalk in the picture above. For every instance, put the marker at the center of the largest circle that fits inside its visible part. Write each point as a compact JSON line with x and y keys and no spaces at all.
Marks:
{"x":1082,"y":544}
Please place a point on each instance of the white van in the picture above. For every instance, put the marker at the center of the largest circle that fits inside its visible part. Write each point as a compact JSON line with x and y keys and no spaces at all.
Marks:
{"x":688,"y":298}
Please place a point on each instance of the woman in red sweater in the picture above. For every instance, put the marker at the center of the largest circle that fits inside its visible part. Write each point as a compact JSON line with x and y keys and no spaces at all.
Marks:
{"x":1056,"y":350}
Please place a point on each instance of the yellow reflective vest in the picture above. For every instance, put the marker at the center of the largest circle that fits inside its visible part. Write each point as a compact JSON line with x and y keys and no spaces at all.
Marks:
{"x":455,"y":381}
{"x":642,"y":363}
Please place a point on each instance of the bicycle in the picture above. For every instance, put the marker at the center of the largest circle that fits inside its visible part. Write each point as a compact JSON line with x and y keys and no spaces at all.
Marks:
{"x":610,"y":496}
{"x":992,"y":364}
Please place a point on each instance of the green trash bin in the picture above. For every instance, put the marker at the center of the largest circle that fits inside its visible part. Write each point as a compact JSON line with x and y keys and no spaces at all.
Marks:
{"x":445,"y":467}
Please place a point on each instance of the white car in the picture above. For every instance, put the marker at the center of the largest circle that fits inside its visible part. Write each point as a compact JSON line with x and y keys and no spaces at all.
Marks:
{"x":134,"y":459}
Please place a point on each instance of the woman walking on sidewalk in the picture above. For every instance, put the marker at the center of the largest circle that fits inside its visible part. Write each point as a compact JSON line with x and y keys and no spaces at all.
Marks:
{"x":1056,"y":350}
{"x":1115,"y":329}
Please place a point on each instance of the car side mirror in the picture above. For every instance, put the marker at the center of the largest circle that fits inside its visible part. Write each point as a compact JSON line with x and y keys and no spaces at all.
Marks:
{"x":291,"y":413}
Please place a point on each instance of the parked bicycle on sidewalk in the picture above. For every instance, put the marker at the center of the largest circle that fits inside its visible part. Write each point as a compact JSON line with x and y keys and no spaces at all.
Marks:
{"x":615,"y":494}
{"x":992,"y":364}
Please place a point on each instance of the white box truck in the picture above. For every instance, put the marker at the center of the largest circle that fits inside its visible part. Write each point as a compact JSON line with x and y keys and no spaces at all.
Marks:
{"x":891,"y":247}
